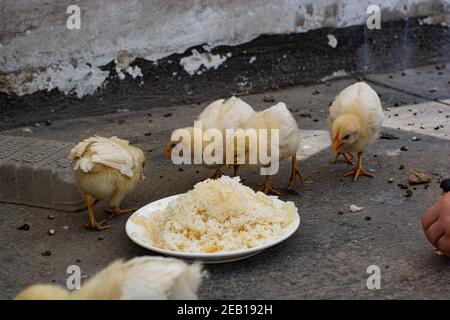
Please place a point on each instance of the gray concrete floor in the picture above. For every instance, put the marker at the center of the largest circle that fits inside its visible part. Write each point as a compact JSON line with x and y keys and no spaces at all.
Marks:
{"x":329,"y":254}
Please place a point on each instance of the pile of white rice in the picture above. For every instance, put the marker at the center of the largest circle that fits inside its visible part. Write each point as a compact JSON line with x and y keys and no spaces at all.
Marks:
{"x":219,"y":215}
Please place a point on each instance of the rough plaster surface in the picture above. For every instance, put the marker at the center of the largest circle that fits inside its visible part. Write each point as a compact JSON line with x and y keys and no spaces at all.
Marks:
{"x":38,"y":52}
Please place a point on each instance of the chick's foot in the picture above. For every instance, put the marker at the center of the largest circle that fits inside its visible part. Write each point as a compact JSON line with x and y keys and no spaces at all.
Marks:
{"x":116,"y":211}
{"x":268,"y":188}
{"x":347,"y":157}
{"x":98,"y":226}
{"x":295,"y":171}
{"x":217,"y":174}
{"x":235,"y":170}
{"x":358,"y":170}
{"x":92,"y":223}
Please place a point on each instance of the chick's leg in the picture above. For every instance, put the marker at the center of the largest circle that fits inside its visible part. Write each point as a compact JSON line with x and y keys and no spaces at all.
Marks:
{"x":358,"y":170}
{"x":295,"y":171}
{"x":347,"y":157}
{"x":268,"y":188}
{"x":92,"y":224}
{"x":116,"y":211}
{"x":217,"y":174}
{"x":235,"y":170}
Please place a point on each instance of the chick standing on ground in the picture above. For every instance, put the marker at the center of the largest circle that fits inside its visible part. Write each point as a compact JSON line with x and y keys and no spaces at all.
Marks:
{"x":280,"y":118}
{"x":106,"y":169}
{"x":355,"y":120}
{"x":222,"y":114}
{"x":143,"y":278}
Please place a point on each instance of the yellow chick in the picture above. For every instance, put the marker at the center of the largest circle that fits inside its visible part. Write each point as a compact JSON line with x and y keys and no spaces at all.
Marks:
{"x":143,"y":278}
{"x":355,"y":119}
{"x":221,"y":114}
{"x":280,"y":118}
{"x":106,"y":169}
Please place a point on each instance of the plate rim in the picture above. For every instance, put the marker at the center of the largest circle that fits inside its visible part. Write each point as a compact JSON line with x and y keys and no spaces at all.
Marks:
{"x":207,"y":256}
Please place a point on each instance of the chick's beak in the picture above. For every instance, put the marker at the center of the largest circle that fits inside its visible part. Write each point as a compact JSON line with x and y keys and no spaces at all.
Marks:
{"x":337,"y":144}
{"x":168,"y":152}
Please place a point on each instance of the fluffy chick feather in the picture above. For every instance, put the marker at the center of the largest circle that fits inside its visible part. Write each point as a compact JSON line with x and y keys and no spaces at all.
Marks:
{"x":280,"y":118}
{"x":106,"y":169}
{"x":222,"y":114}
{"x":355,"y":119}
{"x":143,"y":278}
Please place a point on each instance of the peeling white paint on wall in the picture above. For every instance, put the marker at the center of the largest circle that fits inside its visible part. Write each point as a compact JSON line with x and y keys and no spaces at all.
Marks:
{"x":335,"y":75}
{"x":154,"y":29}
{"x":82,"y":80}
{"x":332,"y":41}
{"x":134,"y":72}
{"x":194,"y":63}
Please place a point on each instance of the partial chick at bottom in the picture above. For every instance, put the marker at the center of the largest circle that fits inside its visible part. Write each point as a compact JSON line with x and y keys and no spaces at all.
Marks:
{"x":143,"y":278}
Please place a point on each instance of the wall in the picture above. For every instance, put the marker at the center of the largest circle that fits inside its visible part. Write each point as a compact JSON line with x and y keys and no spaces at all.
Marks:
{"x":38,"y":52}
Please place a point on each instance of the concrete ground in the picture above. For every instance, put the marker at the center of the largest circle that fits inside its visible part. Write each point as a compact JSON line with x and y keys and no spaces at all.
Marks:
{"x":328,"y":256}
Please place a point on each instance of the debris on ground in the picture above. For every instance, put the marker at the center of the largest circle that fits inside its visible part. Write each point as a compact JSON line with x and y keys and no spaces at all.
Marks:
{"x":404,"y":148}
{"x":417,"y":176}
{"x":387,"y":136}
{"x":167,"y":115}
{"x":27,"y":130}
{"x":403,"y":186}
{"x":24,"y":227}
{"x":409,"y":193}
{"x":305,"y":115}
{"x":46,"y":253}
{"x":414,"y":138}
{"x":268,"y":98}
{"x":51,"y":232}
{"x":355,"y":208}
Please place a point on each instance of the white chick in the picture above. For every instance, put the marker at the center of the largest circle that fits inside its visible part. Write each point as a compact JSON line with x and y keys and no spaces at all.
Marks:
{"x":355,"y":120}
{"x":106,"y":169}
{"x":280,"y":118}
{"x":143,"y":278}
{"x":221,"y":114}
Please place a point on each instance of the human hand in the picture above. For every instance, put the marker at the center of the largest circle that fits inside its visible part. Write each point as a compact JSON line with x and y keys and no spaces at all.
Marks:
{"x":436,"y":224}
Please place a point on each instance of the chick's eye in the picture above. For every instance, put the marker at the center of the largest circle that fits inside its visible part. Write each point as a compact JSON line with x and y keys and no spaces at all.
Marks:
{"x":346,"y":137}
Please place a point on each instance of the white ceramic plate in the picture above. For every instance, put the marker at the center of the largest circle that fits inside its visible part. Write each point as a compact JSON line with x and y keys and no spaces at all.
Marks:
{"x":140,"y":236}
